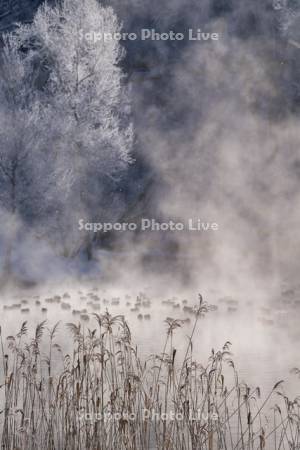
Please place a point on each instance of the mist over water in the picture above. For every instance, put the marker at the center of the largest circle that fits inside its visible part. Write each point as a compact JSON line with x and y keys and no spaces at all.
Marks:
{"x":216,"y":141}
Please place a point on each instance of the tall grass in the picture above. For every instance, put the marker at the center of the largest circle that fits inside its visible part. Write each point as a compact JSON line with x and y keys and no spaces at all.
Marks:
{"x":102,"y":396}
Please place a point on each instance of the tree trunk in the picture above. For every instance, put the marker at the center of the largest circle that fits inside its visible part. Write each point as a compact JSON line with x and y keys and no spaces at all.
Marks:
{"x":7,"y":266}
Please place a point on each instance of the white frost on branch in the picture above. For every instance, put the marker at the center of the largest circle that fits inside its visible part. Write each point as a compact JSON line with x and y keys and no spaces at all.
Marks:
{"x":65,"y":116}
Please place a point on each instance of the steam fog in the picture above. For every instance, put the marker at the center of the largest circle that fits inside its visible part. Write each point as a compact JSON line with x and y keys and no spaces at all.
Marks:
{"x":216,"y":139}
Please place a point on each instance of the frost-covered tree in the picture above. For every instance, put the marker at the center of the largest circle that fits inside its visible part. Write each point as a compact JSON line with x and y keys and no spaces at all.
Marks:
{"x":21,"y":138}
{"x":86,"y":91}
{"x":288,"y":13}
{"x":65,"y":119}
